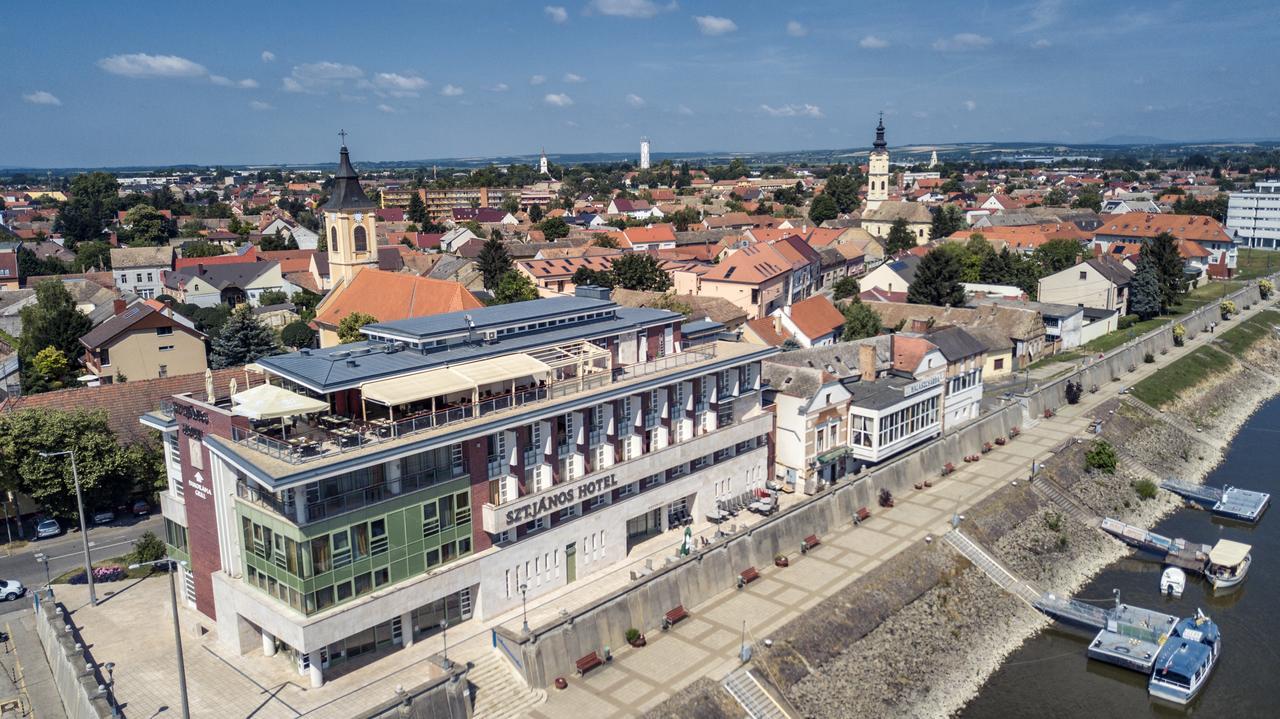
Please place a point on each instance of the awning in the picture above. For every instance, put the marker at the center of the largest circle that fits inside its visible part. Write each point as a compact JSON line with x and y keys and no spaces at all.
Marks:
{"x":1227,"y":553}
{"x":420,"y":385}
{"x":503,"y":368}
{"x":269,"y":402}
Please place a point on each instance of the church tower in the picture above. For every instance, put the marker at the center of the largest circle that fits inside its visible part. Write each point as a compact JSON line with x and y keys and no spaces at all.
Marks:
{"x":543,"y":166}
{"x":349,"y":219}
{"x":644,"y":153}
{"x":933,"y":160}
{"x":878,"y":170}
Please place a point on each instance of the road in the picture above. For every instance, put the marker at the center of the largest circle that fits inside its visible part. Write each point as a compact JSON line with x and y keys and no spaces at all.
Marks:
{"x":66,"y":553}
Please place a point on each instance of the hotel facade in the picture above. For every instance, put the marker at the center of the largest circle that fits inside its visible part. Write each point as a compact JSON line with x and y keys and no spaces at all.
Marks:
{"x":447,"y":465}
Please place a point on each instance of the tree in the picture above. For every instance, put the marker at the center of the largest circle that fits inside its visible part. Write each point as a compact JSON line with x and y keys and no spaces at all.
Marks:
{"x":511,"y":204}
{"x":305,"y":301}
{"x":1057,"y":255}
{"x":535,"y":214}
{"x":860,"y":321}
{"x":639,"y":271}
{"x":554,"y":228}
{"x":146,"y":227}
{"x":1101,"y":456}
{"x":191,"y":228}
{"x":417,"y":212}
{"x":349,"y":327}
{"x":900,"y":238}
{"x":1057,"y":197}
{"x":52,"y":321}
{"x":947,"y":220}
{"x":93,"y":202}
{"x":606,"y":242}
{"x":1144,"y":294}
{"x":202,"y":248}
{"x":1088,"y":198}
{"x":278,"y":241}
{"x":937,"y":280}
{"x":493,"y":262}
{"x":91,"y":255}
{"x":243,"y":339}
{"x":514,"y":287}
{"x":844,"y":288}
{"x":298,"y":334}
{"x":597,"y":278}
{"x":1163,"y":250}
{"x":48,"y":371}
{"x":273,"y":297}
{"x":823,"y":208}
{"x":843,"y":188}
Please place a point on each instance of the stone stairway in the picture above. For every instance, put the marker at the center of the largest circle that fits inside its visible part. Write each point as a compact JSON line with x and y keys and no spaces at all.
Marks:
{"x":1064,"y":500}
{"x":745,"y":688}
{"x":500,"y":693}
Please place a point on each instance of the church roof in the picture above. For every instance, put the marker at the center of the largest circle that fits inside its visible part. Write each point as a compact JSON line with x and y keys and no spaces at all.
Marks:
{"x":347,"y":193}
{"x":880,"y":144}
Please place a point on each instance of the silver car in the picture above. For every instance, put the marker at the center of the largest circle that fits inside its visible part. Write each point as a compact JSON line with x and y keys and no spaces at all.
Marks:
{"x":48,"y":528}
{"x":11,"y":589}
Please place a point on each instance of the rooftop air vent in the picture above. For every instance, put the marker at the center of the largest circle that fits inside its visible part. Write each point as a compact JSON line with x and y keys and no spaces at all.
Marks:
{"x":352,"y":363}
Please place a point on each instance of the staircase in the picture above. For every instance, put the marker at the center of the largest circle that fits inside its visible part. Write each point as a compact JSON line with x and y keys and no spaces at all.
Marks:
{"x":744,"y":687}
{"x":1064,"y":500}
{"x":499,"y":692}
{"x":1003,"y":578}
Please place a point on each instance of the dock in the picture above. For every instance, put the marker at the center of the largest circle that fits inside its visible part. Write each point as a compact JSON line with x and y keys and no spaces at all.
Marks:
{"x":1227,"y":501}
{"x":1191,"y":556}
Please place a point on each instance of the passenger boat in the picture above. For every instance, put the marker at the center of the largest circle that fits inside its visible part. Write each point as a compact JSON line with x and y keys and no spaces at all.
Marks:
{"x":1172,"y":582}
{"x":1228,"y":563}
{"x":1185,"y":660}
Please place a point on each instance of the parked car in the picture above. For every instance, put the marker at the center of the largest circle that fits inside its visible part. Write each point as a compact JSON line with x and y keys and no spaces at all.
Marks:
{"x":48,"y":528}
{"x":141,"y":508}
{"x":11,"y":589}
{"x":104,"y":516}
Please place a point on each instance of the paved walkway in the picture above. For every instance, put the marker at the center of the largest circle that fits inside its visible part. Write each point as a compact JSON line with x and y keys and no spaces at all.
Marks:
{"x":25,"y":670}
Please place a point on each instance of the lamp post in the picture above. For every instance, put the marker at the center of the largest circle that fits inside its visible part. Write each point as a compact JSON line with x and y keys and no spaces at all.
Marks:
{"x":444,"y":635}
{"x":111,"y":688}
{"x":177,"y":632}
{"x":44,"y":559}
{"x":84,"y":530}
{"x":524,"y":607}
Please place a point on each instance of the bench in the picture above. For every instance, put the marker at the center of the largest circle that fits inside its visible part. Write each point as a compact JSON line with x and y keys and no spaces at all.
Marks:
{"x":863,"y":514}
{"x":809,"y":542}
{"x":589,"y":662}
{"x":674,"y":616}
{"x":747,"y":576}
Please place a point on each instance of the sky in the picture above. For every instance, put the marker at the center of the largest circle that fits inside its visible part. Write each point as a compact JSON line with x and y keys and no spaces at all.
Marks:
{"x":92,"y":83}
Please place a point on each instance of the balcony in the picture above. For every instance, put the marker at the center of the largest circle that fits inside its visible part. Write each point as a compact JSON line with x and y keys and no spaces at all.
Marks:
{"x":497,"y":467}
{"x":652,"y":419}
{"x":532,"y":457}
{"x":564,"y":450}
{"x":596,"y":438}
{"x":321,"y":508}
{"x":662,"y":364}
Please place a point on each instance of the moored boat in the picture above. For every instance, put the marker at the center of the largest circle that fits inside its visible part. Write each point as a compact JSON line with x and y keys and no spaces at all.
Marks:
{"x":1172,"y":582}
{"x":1186,"y":660}
{"x":1228,"y":563}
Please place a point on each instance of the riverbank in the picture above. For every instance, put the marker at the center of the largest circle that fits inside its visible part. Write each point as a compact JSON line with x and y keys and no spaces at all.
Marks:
{"x":930,"y":657}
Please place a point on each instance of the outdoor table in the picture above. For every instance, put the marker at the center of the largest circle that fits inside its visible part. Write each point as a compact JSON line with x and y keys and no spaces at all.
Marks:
{"x":335,"y":421}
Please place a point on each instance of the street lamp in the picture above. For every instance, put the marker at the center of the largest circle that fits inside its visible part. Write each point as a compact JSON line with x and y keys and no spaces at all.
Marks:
{"x":111,"y":688}
{"x":84,"y":531}
{"x":44,"y":559}
{"x":177,"y":632}
{"x":444,"y":634}
{"x":524,"y":607}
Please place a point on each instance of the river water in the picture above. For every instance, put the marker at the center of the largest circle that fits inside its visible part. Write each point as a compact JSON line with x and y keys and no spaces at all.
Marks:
{"x":1050,"y":675}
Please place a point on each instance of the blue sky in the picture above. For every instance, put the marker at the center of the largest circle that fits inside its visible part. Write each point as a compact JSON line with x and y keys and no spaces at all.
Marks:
{"x":110,"y":83}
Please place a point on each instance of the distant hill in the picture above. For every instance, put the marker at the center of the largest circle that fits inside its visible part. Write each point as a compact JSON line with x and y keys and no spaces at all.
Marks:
{"x":1135,"y":140}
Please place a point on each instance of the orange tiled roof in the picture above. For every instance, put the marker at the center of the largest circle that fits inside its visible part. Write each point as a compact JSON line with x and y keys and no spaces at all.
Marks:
{"x":769,"y":332}
{"x":567,"y":266}
{"x":816,"y":316}
{"x":753,"y":264}
{"x":1199,"y":228}
{"x":393,"y":296}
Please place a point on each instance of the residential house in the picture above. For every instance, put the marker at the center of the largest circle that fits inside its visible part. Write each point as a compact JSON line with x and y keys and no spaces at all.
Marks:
{"x":555,"y":276}
{"x":1098,"y":283}
{"x":651,"y":237}
{"x":306,"y":239}
{"x":231,"y":284}
{"x":880,"y":220}
{"x":755,"y":278}
{"x":9,"y":271}
{"x":1200,"y":229}
{"x":813,"y":322}
{"x":389,"y":297}
{"x":140,"y":270}
{"x":992,"y":324}
{"x":893,"y":276}
{"x":635,"y":209}
{"x":146,"y":340}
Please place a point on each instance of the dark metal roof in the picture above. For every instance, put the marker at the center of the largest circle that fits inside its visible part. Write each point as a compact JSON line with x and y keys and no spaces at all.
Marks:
{"x":954,"y":343}
{"x":347,"y":193}
{"x":480,"y":319}
{"x":880,"y":144}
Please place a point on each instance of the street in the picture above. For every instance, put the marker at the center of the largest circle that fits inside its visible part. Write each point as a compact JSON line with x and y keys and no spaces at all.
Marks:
{"x":65,"y":552}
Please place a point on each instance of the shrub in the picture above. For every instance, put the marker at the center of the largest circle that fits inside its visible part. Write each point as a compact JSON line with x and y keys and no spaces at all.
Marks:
{"x":632,"y":634}
{"x":1053,"y":520}
{"x":1265,"y":288}
{"x":1179,"y":334}
{"x":1145,"y":488}
{"x":147,"y":548}
{"x":1228,"y":308}
{"x":1127,"y":321}
{"x":1148,"y":358}
{"x":1074,"y":390}
{"x":1101,"y":456}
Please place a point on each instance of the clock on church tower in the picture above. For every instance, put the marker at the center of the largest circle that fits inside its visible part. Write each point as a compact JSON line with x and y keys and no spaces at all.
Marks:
{"x":349,"y":220}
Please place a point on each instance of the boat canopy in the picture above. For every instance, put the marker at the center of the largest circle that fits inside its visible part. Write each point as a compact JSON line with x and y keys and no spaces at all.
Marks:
{"x":1227,"y":553}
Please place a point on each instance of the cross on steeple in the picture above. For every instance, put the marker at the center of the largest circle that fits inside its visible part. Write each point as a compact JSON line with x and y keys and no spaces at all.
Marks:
{"x":343,"y":134}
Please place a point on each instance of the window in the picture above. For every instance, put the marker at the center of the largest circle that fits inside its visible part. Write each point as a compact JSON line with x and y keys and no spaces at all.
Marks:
{"x":333,"y":238}
{"x":320,"y":555}
{"x":166,"y":348}
{"x":163,"y":371}
{"x":344,"y":591}
{"x":999,"y":364}
{"x":139,"y":276}
{"x":1084,"y":275}
{"x":361,"y":238}
{"x":341,"y":549}
{"x":149,"y":277}
{"x":164,"y":331}
{"x":104,"y":357}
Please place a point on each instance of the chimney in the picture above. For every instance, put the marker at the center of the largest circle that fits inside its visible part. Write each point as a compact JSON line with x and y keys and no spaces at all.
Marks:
{"x":919,"y":325}
{"x":199,"y":268}
{"x":119,"y":305}
{"x":867,"y":361}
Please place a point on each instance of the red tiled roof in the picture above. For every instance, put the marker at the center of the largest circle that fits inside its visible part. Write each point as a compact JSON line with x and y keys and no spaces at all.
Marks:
{"x":391,"y":296}
{"x":816,"y":316}
{"x":1199,"y":228}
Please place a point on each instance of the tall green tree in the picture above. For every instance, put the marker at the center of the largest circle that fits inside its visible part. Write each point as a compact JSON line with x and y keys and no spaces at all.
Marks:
{"x":93,"y":201}
{"x":535,"y":214}
{"x":298,"y":334}
{"x":48,"y":371}
{"x":278,"y":241}
{"x":900,"y":237}
{"x":1088,"y":198}
{"x":417,"y":212}
{"x":937,"y":280}
{"x":349,"y":327}
{"x":52,"y":321}
{"x":639,"y":271}
{"x":243,"y":339}
{"x":947,"y":220}
{"x":1057,"y":255}
{"x":844,"y":288}
{"x":554,"y":228}
{"x":843,"y":189}
{"x":860,"y":321}
{"x":1145,"y":297}
{"x":493,"y":262}
{"x":514,"y":287}
{"x":823,"y":208}
{"x":146,"y":227}
{"x":92,"y":254}
{"x":1163,"y":250}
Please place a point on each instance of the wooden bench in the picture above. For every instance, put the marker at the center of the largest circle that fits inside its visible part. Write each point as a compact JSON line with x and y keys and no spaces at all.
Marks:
{"x":674,"y":616}
{"x":809,"y":542}
{"x":747,"y":576}
{"x":589,"y":662}
{"x":863,"y":514}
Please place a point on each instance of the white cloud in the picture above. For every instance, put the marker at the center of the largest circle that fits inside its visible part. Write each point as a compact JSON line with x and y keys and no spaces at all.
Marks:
{"x":635,"y":100}
{"x":397,"y":85}
{"x":537,"y":79}
{"x":796,"y":29}
{"x":500,"y":87}
{"x":801,"y":110}
{"x":713,"y":25}
{"x":260,"y":106}
{"x":142,"y":65}
{"x":41,"y":97}
{"x":962,"y":41}
{"x":557,"y":13}
{"x":320,"y":76}
{"x":570,"y":77}
{"x":683,"y":110}
{"x":629,"y":8}
{"x":970,"y":105}
{"x":386,"y":108}
{"x":1041,"y":44}
{"x":268,"y":56}
{"x":557,"y":99}
{"x":871,"y":42}
{"x":451,"y":91}
{"x":247,"y":83}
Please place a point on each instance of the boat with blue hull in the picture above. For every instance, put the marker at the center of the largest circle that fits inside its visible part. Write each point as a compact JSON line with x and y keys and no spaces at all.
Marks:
{"x":1186,"y":660}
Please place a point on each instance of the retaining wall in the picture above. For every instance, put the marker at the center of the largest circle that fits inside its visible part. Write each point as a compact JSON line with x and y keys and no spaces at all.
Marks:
{"x":444,"y":697}
{"x":74,"y":672}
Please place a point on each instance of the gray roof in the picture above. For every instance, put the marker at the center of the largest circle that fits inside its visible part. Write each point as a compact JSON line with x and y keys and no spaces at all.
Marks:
{"x":1117,"y":273}
{"x":880,"y":394}
{"x":804,"y":367}
{"x":129,"y":257}
{"x":347,"y":193}
{"x":480,"y":319}
{"x":698,"y":327}
{"x":955,"y":343}
{"x":905,"y":267}
{"x":1047,"y":309}
{"x":237,"y":274}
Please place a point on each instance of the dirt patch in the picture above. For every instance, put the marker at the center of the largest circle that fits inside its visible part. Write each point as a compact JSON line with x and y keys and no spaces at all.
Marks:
{"x":705,"y":698}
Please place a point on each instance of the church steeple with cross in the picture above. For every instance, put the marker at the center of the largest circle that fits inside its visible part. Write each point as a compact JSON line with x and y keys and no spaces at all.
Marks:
{"x":349,"y":221}
{"x":878,"y":169}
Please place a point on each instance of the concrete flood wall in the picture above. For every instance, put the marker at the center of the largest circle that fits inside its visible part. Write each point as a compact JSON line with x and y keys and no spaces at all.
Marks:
{"x":74,"y":671}
{"x":551,"y":650}
{"x":444,"y":697}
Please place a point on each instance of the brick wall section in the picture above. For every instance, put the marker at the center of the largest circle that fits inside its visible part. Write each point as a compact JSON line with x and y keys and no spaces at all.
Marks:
{"x":477,"y":455}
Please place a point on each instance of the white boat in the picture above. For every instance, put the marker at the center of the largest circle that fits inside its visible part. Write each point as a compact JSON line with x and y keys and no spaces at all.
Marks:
{"x":1172,"y":582}
{"x":1228,"y":563}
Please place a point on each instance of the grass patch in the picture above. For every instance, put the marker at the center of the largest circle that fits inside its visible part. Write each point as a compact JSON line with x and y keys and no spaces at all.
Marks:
{"x":1113,"y":340}
{"x":1240,"y":338}
{"x":1167,"y":383}
{"x":1207,"y":293}
{"x":1254,"y":263}
{"x":1067,"y":356}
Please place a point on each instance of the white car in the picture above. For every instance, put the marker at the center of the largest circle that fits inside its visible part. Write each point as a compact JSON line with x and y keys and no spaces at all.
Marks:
{"x":11,"y":589}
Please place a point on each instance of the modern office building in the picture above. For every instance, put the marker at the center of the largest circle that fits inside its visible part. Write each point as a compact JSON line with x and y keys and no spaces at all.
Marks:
{"x":448,"y":465}
{"x":1253,"y":216}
